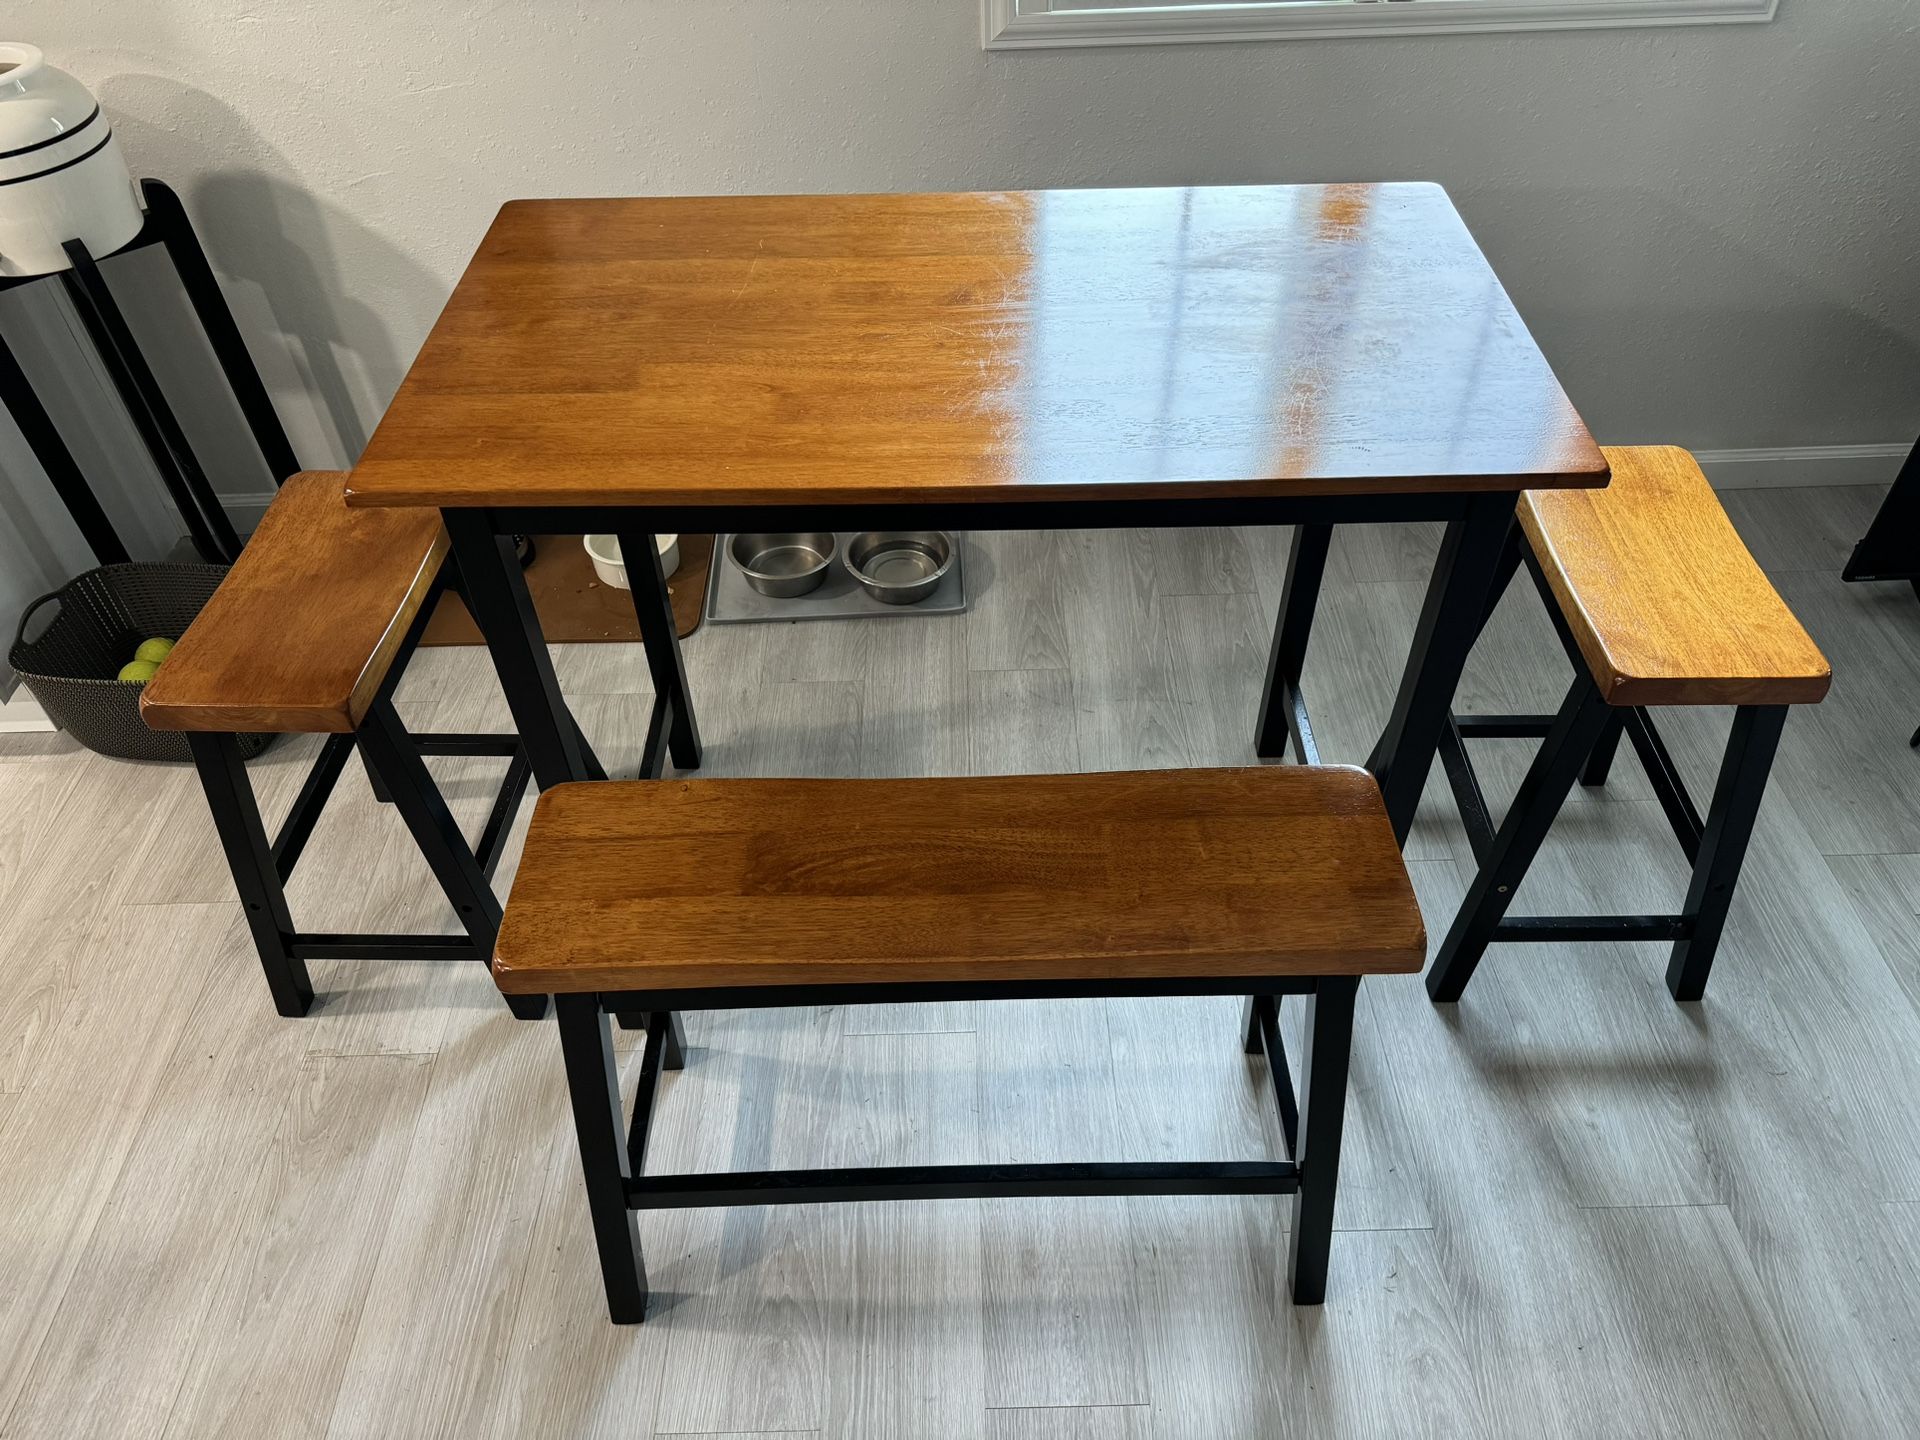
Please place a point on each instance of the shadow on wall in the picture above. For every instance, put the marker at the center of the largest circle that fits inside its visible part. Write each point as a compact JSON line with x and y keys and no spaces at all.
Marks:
{"x":295,"y":267}
{"x":1687,"y":319}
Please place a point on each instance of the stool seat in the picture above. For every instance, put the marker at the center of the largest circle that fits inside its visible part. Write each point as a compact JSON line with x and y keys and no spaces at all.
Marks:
{"x":306,"y":625}
{"x":654,"y":885}
{"x":1663,"y":598}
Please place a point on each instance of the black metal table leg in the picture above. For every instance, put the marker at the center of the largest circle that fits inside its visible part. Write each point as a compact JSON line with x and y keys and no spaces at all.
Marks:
{"x":1293,"y":627}
{"x":586,"y":1044}
{"x":1323,"y":1106}
{"x":1450,"y":620}
{"x":674,"y":1032}
{"x":391,"y":753}
{"x":256,"y":875}
{"x":50,"y":449}
{"x":1582,"y":716}
{"x":654,"y":610}
{"x":1250,"y":1023}
{"x":146,"y":403}
{"x":1723,"y":844}
{"x":496,"y":594}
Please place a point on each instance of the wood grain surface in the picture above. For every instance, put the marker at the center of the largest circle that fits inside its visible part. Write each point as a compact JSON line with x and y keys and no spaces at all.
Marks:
{"x":1144,"y":874}
{"x":1663,"y":596}
{"x":303,"y":629}
{"x":1029,"y":345}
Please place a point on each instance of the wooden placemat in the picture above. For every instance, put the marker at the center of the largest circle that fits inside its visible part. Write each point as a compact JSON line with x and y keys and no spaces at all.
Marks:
{"x":574,"y":607}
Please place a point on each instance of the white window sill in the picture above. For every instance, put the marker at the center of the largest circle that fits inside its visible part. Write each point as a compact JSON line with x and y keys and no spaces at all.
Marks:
{"x":1034,"y":24}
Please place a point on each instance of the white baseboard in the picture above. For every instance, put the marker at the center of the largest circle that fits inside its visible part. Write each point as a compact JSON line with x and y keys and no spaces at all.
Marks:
{"x":22,"y":715}
{"x":1762,"y":469}
{"x":1793,"y":465}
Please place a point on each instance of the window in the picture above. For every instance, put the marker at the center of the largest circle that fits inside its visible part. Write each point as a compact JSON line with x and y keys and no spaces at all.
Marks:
{"x":1023,"y":24}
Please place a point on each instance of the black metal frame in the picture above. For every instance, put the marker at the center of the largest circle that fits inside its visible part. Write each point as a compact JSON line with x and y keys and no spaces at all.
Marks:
{"x":1477,"y":522}
{"x":1578,"y":743}
{"x":1890,"y":550}
{"x":166,"y":224}
{"x":395,"y":763}
{"x":613,"y":1147}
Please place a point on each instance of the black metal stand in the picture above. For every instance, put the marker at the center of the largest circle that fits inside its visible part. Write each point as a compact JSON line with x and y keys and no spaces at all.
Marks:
{"x":613,"y":1153}
{"x":261,"y":867}
{"x":1890,"y":550}
{"x":1578,"y":744}
{"x":139,"y":390}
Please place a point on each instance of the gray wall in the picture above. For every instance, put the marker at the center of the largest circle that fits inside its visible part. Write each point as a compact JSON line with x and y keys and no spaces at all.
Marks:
{"x":1709,"y":229}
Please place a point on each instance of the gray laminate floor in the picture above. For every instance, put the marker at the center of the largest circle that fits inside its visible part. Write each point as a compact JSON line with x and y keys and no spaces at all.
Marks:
{"x":1568,"y":1208}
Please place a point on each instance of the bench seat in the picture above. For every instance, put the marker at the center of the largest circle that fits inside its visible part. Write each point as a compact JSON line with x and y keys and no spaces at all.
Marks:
{"x":306,"y":625}
{"x":1666,"y":603}
{"x":656,"y":886}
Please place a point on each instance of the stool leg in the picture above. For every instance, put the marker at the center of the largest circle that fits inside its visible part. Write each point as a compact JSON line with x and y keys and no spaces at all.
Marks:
{"x":1306,"y":565}
{"x":1723,"y":844}
{"x":1600,"y":762}
{"x":1323,"y":1107}
{"x":593,"y":1080}
{"x":1583,"y":714}
{"x":390,"y":750}
{"x":243,"y":836}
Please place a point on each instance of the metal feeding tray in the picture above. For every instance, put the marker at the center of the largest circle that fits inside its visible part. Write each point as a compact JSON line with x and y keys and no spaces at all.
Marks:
{"x":731,"y":600}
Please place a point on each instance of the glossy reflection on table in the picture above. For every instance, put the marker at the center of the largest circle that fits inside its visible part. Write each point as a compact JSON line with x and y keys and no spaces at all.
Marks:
{"x":1046,"y":345}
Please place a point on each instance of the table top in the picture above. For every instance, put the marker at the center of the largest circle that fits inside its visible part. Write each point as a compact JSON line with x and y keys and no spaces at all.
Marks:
{"x":1055,"y":345}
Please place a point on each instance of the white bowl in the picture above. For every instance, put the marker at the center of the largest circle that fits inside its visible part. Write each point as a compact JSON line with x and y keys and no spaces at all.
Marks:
{"x":61,"y":175}
{"x":604,"y":551}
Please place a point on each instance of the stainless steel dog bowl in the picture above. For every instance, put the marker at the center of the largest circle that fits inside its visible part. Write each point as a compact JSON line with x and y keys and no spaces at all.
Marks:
{"x":783,"y":565}
{"x":900,"y":567}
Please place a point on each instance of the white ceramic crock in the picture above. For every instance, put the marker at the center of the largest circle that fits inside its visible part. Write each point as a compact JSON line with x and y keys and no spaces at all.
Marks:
{"x":604,"y":551}
{"x":61,"y":175}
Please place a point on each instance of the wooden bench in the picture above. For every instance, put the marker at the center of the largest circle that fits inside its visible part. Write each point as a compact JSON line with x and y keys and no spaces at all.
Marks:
{"x":642,"y":899}
{"x":1657,"y":603}
{"x":309,"y":633}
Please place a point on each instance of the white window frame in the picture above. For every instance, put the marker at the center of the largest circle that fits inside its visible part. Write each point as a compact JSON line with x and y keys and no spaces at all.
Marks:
{"x":1045,"y":24}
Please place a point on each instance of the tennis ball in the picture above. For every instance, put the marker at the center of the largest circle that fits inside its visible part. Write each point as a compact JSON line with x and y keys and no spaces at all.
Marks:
{"x":155,"y":650}
{"x":138,"y":671}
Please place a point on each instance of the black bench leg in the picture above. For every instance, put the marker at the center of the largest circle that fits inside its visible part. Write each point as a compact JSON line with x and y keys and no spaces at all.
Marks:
{"x":243,"y":836}
{"x":1583,"y":714}
{"x":1323,"y":1107}
{"x":676,"y":1043}
{"x":1723,"y":845}
{"x":586,"y":1045}
{"x":1600,"y":762}
{"x":391,"y":752}
{"x":1306,"y":566}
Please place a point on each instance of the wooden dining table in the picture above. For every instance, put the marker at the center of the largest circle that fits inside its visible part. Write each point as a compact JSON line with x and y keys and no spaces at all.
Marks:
{"x":1304,"y":355}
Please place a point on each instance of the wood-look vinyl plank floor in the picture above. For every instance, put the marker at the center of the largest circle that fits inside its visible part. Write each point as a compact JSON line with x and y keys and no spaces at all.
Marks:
{"x":1570,"y":1207}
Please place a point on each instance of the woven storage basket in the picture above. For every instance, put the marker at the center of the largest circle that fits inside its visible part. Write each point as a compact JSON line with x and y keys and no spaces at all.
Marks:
{"x":104,"y":615}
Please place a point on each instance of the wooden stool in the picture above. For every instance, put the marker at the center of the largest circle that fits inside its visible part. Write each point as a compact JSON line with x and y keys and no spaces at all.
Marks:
{"x":654,"y":897}
{"x":1657,"y":603}
{"x":310,"y":632}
